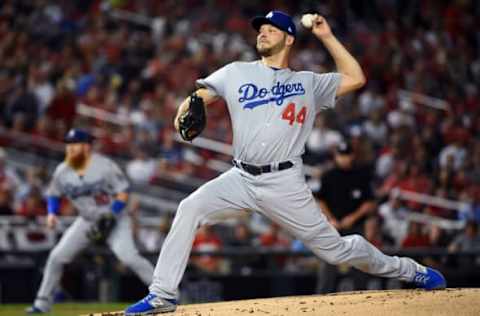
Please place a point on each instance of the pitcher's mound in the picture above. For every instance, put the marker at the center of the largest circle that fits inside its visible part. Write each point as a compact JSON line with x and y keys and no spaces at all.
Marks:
{"x":370,"y":303}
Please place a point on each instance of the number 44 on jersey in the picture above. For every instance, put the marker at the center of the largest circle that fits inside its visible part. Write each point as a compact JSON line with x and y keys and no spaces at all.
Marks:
{"x":292,"y":116}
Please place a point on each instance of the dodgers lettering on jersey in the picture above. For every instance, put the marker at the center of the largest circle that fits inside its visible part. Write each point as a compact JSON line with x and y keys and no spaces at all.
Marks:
{"x":74,"y":191}
{"x":91,"y":194}
{"x":251,"y":96}
{"x":272,"y":110}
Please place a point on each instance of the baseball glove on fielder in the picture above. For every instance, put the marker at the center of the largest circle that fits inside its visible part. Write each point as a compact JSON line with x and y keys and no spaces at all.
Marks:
{"x":100,"y":231}
{"x":193,"y":121}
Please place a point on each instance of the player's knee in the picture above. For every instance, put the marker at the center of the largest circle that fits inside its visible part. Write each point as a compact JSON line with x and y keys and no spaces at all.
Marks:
{"x":340,"y":253}
{"x":356,"y":242}
{"x":354,"y":239}
{"x":334,"y":258}
{"x":309,"y":236}
{"x":188,"y":204}
{"x":55,"y":258}
{"x":189,"y":208}
{"x":128,"y":259}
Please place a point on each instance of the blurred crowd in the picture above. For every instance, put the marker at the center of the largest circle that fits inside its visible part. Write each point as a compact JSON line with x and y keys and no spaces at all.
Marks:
{"x":137,"y":60}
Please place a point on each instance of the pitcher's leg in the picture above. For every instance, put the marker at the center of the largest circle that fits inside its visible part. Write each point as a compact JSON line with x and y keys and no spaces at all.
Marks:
{"x":123,"y":246}
{"x":290,"y":203}
{"x":72,"y":242}
{"x":354,"y":250}
{"x":226,"y":192}
{"x":357,"y":252}
{"x":176,"y":247}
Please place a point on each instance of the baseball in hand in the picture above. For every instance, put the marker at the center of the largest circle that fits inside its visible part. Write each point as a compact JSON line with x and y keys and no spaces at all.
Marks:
{"x":307,"y":20}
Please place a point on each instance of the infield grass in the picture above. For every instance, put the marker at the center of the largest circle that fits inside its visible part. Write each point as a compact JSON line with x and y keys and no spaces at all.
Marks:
{"x":64,"y":309}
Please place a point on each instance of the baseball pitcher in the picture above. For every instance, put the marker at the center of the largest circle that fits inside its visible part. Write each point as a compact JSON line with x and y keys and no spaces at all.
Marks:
{"x":98,"y":189}
{"x":272,"y":109}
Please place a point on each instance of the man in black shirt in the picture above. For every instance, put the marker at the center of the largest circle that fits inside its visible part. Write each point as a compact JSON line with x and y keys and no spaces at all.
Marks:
{"x":345,"y":195}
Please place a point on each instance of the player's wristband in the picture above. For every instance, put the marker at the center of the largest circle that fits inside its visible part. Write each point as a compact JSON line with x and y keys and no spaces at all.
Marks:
{"x":53,"y":205}
{"x":118,"y":206}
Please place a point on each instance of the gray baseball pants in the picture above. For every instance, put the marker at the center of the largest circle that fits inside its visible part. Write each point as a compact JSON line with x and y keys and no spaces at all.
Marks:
{"x":283,"y":197}
{"x":75,"y":240}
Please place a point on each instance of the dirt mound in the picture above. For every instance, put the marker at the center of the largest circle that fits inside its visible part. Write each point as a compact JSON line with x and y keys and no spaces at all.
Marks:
{"x":372,"y":303}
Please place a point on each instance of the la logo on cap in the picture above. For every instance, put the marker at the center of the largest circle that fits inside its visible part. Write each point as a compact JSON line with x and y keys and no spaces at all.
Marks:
{"x":270,"y":14}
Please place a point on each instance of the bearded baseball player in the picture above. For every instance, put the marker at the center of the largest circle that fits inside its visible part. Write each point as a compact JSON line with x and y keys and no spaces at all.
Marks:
{"x":99,"y":191}
{"x":272,"y":109}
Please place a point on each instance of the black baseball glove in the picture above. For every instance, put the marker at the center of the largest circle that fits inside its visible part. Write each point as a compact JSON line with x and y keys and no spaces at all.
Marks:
{"x":193,"y":121}
{"x":100,"y":231}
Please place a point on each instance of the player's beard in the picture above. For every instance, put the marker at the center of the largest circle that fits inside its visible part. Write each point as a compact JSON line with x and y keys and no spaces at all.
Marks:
{"x":78,"y":161}
{"x":272,"y":50}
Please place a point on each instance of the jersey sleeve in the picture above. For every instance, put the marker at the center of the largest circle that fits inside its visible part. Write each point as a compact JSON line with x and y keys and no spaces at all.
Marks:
{"x":325,"y":89}
{"x":55,"y":187}
{"x":116,"y":179}
{"x":215,"y":82}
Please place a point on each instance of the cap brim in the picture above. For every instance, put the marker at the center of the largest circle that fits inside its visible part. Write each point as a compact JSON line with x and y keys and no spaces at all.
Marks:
{"x":344,"y":152}
{"x":258,"y":21}
{"x":77,"y":141}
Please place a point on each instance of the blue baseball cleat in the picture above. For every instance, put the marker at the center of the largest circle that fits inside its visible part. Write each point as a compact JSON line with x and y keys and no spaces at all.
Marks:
{"x":429,"y":279}
{"x":151,"y":304}
{"x":35,"y":310}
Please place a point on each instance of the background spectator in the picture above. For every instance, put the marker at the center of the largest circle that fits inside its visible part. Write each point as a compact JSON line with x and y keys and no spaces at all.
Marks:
{"x":141,"y":168}
{"x":469,"y":240}
{"x":207,"y":240}
{"x":416,"y":236}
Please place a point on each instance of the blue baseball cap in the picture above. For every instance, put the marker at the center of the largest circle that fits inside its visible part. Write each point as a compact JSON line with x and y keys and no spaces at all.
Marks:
{"x":276,"y":18}
{"x":76,"y":135}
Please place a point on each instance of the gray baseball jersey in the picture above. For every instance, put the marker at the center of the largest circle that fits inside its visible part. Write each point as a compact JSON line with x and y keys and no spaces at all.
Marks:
{"x":272,"y":111}
{"x":272,"y":114}
{"x":91,"y":194}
